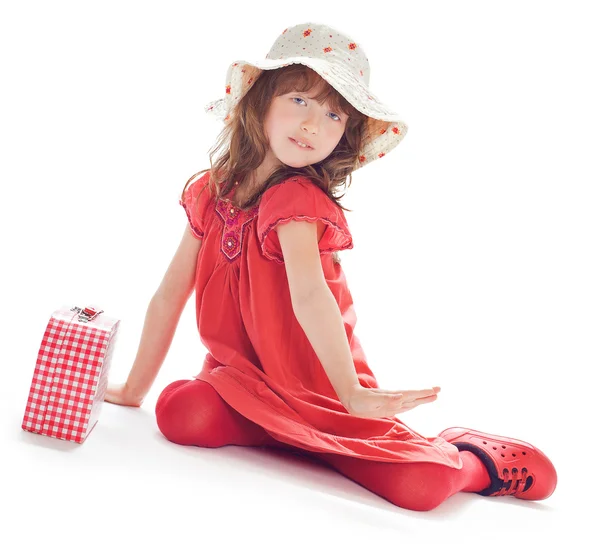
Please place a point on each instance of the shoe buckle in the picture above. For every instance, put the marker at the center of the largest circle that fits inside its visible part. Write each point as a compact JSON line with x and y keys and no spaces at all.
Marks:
{"x":510,"y":477}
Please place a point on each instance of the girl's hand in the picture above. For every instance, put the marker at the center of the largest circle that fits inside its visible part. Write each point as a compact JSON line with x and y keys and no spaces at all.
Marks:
{"x":376,"y":402}
{"x":120,"y":395}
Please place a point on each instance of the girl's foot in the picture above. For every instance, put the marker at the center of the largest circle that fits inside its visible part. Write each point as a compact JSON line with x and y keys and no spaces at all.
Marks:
{"x":515,"y":467}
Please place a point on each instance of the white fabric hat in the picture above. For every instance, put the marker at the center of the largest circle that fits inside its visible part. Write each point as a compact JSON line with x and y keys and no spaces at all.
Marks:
{"x":337,"y":59}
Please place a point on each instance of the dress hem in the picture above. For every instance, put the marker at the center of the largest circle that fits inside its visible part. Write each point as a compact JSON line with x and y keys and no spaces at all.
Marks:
{"x":253,"y":408}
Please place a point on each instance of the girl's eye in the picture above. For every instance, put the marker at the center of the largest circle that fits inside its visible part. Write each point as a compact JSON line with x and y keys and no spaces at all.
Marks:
{"x":338,"y":118}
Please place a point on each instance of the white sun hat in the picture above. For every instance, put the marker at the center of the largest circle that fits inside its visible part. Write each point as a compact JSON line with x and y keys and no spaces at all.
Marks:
{"x":340,"y":61}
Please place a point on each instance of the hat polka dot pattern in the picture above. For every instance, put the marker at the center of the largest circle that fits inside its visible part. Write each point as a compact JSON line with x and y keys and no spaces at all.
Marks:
{"x":337,"y":59}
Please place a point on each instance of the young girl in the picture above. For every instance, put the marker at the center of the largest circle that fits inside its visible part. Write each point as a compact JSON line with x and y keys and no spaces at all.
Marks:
{"x":273,"y":309}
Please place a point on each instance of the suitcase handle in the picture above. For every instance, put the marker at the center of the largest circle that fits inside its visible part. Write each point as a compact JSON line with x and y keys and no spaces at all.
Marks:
{"x":86,"y":314}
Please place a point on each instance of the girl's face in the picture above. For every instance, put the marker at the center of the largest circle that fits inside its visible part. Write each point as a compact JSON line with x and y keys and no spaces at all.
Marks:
{"x":295,"y":116}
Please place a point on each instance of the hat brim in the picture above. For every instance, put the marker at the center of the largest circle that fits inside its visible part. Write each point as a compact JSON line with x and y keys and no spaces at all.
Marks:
{"x":345,"y":82}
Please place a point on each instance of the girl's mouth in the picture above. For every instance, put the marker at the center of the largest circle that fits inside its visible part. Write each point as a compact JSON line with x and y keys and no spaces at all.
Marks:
{"x":300,"y":146}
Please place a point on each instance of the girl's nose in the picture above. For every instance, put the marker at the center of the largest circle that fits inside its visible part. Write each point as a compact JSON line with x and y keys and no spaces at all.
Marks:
{"x":310,"y":125}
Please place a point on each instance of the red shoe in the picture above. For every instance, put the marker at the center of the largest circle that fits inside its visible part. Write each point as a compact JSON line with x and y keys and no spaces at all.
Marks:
{"x":515,"y":467}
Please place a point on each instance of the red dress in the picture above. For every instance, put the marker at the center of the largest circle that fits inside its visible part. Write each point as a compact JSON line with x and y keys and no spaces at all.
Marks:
{"x":260,"y":360}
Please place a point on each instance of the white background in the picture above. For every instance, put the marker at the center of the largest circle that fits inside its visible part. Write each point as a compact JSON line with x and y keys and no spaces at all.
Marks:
{"x":475,"y":262}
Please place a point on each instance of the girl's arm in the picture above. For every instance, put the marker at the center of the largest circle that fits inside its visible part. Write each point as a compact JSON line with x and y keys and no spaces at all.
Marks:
{"x":320,"y":318}
{"x":162,"y":318}
{"x":315,"y":306}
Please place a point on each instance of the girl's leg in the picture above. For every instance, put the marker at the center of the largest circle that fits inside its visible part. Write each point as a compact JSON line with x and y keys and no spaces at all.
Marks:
{"x":416,"y":486}
{"x":191,"y":413}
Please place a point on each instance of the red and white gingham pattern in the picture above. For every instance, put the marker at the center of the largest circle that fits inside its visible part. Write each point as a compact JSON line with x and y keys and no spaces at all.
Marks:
{"x":71,"y":375}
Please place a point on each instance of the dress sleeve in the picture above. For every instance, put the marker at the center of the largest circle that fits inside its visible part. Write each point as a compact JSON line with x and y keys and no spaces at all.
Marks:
{"x":194,"y":200}
{"x":299,"y":199}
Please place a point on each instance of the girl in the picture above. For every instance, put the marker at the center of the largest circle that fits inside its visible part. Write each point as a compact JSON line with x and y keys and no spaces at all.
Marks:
{"x":263,"y":228}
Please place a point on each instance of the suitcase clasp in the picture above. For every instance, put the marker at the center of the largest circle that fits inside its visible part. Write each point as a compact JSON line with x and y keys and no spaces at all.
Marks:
{"x":86,"y":314}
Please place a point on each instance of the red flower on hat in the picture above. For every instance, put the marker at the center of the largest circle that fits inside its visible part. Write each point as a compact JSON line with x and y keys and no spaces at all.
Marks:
{"x":328,"y":49}
{"x":307,"y":32}
{"x":396,"y":130}
{"x":381,"y":155}
{"x":382,"y":131}
{"x":352,"y":46}
{"x":362,"y":158}
{"x":228,"y":89}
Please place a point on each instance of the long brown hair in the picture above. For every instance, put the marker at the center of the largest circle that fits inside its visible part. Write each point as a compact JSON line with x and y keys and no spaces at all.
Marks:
{"x":242,"y":144}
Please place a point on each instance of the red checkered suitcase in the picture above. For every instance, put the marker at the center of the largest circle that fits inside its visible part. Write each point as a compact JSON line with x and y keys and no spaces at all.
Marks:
{"x":71,"y":374}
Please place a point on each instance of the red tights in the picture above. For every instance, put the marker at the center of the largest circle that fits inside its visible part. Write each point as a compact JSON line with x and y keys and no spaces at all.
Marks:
{"x":191,"y":413}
